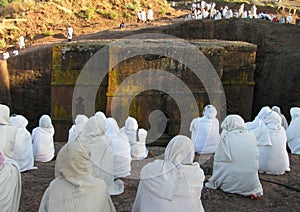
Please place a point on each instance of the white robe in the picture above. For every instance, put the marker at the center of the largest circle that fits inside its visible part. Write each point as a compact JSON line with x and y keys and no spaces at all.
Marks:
{"x":205,"y":131}
{"x":235,"y":168}
{"x":293,"y":131}
{"x":93,"y":137}
{"x":120,"y":147}
{"x":42,"y":140}
{"x":76,"y":129}
{"x":172,"y":184}
{"x":137,"y":139}
{"x":8,"y":133}
{"x":74,"y":188}
{"x":23,"y":153}
{"x":274,"y":159}
{"x":10,"y":185}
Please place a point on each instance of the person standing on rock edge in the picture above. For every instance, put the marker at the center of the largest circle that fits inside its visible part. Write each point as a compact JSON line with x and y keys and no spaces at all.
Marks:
{"x":22,"y":42}
{"x":69,"y":33}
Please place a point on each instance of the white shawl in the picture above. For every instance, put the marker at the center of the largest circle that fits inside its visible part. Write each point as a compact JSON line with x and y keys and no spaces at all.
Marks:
{"x":235,"y":168}
{"x":172,"y":184}
{"x":137,"y":139}
{"x":76,"y":129}
{"x":205,"y":131}
{"x":23,"y":153}
{"x":74,"y":188}
{"x":120,"y":147}
{"x":42,"y":140}
{"x":293,"y":131}
{"x":258,"y":127}
{"x":284,"y":122}
{"x":93,"y":137}
{"x":7,"y":132}
{"x":10,"y":185}
{"x":274,"y":159}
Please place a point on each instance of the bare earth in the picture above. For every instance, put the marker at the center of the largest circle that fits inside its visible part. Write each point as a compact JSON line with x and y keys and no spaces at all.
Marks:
{"x":276,"y":197}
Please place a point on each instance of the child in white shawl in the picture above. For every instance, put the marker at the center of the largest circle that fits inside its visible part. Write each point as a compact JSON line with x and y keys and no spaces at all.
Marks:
{"x":235,"y":168}
{"x":75,"y":189}
{"x":137,"y":139}
{"x":76,"y":128}
{"x":293,"y":131}
{"x":8,"y":133}
{"x":42,"y":140}
{"x":23,"y":153}
{"x":172,"y":184}
{"x":92,"y":135}
{"x":10,"y":184}
{"x":274,"y":159}
{"x":120,"y":147}
{"x":205,"y":131}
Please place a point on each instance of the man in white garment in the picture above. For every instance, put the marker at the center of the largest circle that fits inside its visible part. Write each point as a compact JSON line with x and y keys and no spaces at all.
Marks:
{"x":289,"y":19}
{"x":205,"y":131}
{"x":10,"y":184}
{"x":42,"y":140}
{"x":21,"y":42}
{"x":293,"y":132}
{"x":120,"y":147}
{"x":143,"y":16}
{"x":23,"y":153}
{"x":69,"y":33}
{"x":150,"y":15}
{"x":172,"y":184}
{"x":76,"y":128}
{"x":274,"y":159}
{"x":92,"y":135}
{"x":8,"y":133}
{"x":75,"y":188}
{"x":235,"y":168}
{"x":137,"y":139}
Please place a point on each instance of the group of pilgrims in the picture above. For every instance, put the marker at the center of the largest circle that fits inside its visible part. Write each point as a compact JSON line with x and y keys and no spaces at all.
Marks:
{"x":204,"y":10}
{"x":89,"y":168}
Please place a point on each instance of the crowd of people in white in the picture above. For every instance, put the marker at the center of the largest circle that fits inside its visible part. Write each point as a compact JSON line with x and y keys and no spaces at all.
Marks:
{"x":98,"y":153}
{"x":204,"y":10}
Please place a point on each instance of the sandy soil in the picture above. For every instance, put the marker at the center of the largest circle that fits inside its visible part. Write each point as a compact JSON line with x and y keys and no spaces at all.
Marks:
{"x":276,"y":197}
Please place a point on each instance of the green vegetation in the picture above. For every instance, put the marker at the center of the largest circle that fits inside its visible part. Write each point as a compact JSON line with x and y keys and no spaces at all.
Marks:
{"x":48,"y":33}
{"x":2,"y":43}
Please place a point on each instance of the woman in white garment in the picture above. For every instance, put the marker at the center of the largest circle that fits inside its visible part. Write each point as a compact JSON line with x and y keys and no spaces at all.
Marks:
{"x":172,"y":184}
{"x":120,"y":148}
{"x":205,"y":131}
{"x":8,"y":133}
{"x":293,"y":131}
{"x":235,"y":168}
{"x":10,"y":184}
{"x":75,"y":189}
{"x":92,"y":135}
{"x":42,"y":140}
{"x":284,"y":122}
{"x":274,"y":159}
{"x":259,"y":128}
{"x":137,"y":139}
{"x":23,"y":153}
{"x":76,"y":128}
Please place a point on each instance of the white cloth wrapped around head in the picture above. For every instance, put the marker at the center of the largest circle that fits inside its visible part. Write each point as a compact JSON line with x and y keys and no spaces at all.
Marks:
{"x":273,"y":121}
{"x":210,"y":112}
{"x":101,"y":114}
{"x":76,"y":129}
{"x":18,"y":121}
{"x":45,"y":122}
{"x":295,"y":112}
{"x":4,"y":114}
{"x":131,"y":124}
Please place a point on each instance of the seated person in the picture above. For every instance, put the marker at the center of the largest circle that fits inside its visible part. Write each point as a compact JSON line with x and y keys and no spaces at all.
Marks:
{"x":235,"y":168}
{"x":120,"y":148}
{"x":137,"y":139}
{"x":172,"y":184}
{"x":75,"y":188}
{"x":10,"y":184}
{"x":274,"y":159}
{"x":42,"y":140}
{"x":76,"y":128}
{"x":205,"y":131}
{"x":23,"y":153}
{"x":293,"y":131}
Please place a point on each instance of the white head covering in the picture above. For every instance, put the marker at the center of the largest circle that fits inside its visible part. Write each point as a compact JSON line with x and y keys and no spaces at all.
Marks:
{"x":283,"y":119}
{"x":273,"y":121}
{"x":210,"y":112}
{"x":112,"y":128}
{"x":295,"y":112}
{"x":232,"y":123}
{"x":76,"y":129}
{"x":4,"y":114}
{"x":74,"y":187}
{"x":93,"y":137}
{"x":101,"y":114}
{"x":23,"y":153}
{"x":293,"y":132}
{"x":131,"y":124}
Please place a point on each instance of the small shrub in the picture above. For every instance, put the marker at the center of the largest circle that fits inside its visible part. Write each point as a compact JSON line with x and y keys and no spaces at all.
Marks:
{"x":163,"y":11}
{"x":127,"y":15}
{"x":129,"y":6}
{"x":2,"y":44}
{"x":48,"y":33}
{"x":90,"y":13}
{"x":112,"y":15}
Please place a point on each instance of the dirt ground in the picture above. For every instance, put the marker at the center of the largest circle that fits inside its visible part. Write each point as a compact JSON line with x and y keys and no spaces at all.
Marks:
{"x":276,"y":197}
